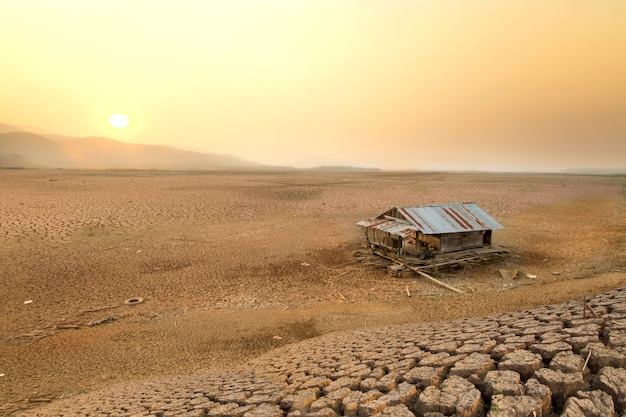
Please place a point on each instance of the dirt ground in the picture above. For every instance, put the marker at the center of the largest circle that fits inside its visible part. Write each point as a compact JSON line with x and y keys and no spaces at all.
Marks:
{"x":231,"y":265}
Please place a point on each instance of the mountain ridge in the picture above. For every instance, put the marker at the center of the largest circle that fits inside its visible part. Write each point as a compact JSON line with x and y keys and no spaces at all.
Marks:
{"x":20,"y":148}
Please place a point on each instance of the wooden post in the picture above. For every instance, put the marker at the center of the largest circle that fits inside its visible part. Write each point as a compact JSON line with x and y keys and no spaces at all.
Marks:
{"x":368,"y":241}
{"x":435,"y":270}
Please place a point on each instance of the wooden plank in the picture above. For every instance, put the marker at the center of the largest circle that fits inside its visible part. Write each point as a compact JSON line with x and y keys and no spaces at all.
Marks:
{"x":425,"y":275}
{"x":443,"y":284}
{"x":449,"y":262}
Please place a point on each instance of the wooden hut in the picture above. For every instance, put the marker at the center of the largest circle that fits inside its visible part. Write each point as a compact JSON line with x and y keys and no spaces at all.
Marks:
{"x":433,"y":229}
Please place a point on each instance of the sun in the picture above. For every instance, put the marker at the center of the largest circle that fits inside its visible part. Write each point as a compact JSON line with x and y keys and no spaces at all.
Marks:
{"x":119,"y":121}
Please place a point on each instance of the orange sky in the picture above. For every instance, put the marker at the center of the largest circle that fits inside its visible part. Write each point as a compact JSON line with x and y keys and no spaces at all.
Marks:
{"x":515,"y":85}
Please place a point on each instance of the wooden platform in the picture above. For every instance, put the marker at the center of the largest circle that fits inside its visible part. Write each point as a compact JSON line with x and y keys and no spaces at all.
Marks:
{"x":382,"y":258}
{"x":398,"y":264}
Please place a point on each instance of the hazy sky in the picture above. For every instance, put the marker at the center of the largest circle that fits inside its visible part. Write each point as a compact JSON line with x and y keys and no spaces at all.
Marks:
{"x":429,"y":84}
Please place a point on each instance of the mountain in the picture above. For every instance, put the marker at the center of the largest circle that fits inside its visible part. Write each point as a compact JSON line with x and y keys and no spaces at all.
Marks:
{"x":5,"y":128}
{"x":30,"y":150}
{"x":15,"y":161}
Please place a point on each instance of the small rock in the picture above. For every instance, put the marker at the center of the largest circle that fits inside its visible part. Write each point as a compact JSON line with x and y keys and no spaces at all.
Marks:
{"x":567,"y":362}
{"x":326,"y":412}
{"x":523,"y":362}
{"x":552,"y":337}
{"x":500,"y":350}
{"x":221,"y":410}
{"x":405,"y":393}
{"x":562,"y":385}
{"x":265,"y":410}
{"x":387,"y":382}
{"x":300,"y":400}
{"x":455,"y":396}
{"x":400,"y":410}
{"x":613,"y":382}
{"x":447,"y":346}
{"x":476,"y":363}
{"x":602,"y":356}
{"x":356,"y":399}
{"x":502,"y":382}
{"x":424,"y":376}
{"x":541,"y":392}
{"x":510,"y":406}
{"x":593,"y":403}
{"x":617,"y":339}
{"x":332,"y":400}
{"x":549,"y":350}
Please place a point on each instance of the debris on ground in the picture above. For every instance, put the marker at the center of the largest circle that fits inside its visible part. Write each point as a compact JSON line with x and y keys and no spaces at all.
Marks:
{"x":101,"y":321}
{"x":133,"y":301}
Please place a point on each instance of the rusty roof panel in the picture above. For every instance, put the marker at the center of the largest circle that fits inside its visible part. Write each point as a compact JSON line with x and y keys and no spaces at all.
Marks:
{"x":449,"y":218}
{"x":390,"y":226}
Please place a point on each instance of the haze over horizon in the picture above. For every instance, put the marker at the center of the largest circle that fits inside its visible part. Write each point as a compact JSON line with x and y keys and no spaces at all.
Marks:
{"x":522,"y":86}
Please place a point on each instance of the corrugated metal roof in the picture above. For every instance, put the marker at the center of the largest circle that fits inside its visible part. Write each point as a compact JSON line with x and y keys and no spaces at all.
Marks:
{"x":390,"y":226}
{"x":449,"y":218}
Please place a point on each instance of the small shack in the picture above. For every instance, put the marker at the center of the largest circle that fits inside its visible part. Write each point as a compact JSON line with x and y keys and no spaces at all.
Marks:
{"x":432,"y":229}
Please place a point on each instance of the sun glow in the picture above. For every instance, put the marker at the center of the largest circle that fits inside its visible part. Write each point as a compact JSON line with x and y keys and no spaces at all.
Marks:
{"x":119,"y":121}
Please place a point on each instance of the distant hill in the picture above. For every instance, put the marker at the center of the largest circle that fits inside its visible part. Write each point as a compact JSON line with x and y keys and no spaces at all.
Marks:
{"x":30,"y":150}
{"x":595,"y":171}
{"x":4,"y":128}
{"x":15,"y":161}
{"x":343,"y":168}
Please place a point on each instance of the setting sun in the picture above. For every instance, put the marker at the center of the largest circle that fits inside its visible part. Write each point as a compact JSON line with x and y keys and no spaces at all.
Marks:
{"x":119,"y":121}
{"x":464,"y":85}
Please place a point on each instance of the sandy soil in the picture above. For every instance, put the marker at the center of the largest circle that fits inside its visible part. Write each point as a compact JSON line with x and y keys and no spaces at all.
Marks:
{"x":231,"y":265}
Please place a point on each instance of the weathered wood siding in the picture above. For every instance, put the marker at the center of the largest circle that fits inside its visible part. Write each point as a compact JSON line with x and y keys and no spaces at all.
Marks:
{"x":460,"y":241}
{"x":415,"y":244}
{"x":381,"y":238}
{"x":429,"y":241}
{"x":410,"y":245}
